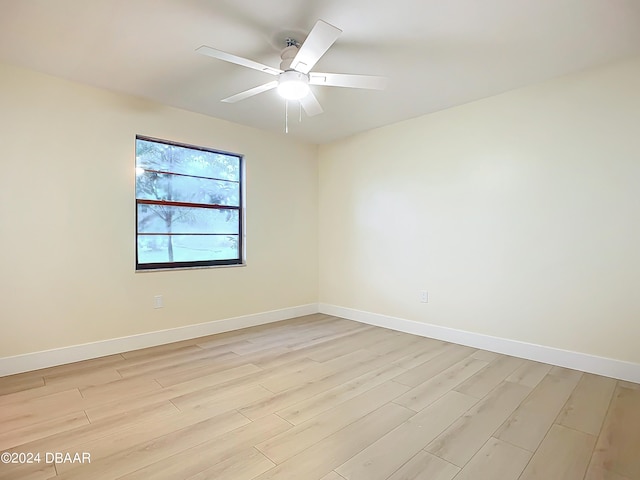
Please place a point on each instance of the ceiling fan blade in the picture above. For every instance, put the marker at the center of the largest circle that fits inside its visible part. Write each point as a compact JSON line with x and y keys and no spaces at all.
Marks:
{"x":311,"y":105}
{"x":321,"y":37}
{"x":346,"y":80}
{"x":251,"y":92}
{"x":245,"y":62}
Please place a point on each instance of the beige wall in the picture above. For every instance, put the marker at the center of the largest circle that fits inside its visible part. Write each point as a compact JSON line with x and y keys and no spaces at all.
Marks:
{"x":67,"y":222}
{"x":520,"y":214}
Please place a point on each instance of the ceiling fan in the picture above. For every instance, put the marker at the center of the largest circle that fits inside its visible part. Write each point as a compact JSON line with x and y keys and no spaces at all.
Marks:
{"x":294,"y":74}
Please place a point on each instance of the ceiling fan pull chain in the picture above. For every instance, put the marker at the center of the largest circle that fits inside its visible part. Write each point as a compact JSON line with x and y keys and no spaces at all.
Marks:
{"x":286,"y":116}
{"x":299,"y":112}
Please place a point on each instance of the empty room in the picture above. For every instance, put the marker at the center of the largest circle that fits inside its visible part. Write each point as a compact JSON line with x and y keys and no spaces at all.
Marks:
{"x":320,"y":240}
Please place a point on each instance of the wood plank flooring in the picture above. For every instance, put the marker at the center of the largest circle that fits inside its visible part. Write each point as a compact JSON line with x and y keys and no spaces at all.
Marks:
{"x":319,"y":398}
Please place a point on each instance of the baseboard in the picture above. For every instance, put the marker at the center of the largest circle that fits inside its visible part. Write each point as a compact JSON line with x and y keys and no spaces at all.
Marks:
{"x":76,"y":353}
{"x":564,"y":358}
{"x":579,"y":361}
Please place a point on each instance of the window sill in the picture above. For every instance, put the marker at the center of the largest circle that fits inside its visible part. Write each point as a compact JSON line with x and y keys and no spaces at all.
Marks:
{"x":207,"y":267}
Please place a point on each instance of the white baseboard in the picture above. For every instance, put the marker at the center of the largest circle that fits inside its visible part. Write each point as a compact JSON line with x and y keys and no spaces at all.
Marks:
{"x":564,"y":358}
{"x":76,"y":353}
{"x":579,"y":361}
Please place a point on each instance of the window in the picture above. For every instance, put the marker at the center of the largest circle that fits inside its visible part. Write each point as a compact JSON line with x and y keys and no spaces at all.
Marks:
{"x":188,"y":206}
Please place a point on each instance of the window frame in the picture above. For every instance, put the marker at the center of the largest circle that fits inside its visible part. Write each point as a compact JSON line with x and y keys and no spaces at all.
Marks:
{"x":195,"y":264}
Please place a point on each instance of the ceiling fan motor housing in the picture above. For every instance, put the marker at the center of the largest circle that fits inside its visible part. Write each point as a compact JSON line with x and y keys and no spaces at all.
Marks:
{"x":287,"y":56}
{"x":292,"y":85}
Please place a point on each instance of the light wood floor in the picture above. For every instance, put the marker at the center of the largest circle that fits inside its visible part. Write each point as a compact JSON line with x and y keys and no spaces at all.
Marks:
{"x":320,"y":398}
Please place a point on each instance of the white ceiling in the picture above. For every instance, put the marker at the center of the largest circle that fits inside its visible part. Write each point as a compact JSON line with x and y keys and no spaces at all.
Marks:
{"x":436,"y":53}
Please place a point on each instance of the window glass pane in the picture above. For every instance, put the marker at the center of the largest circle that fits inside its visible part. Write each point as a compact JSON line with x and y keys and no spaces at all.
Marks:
{"x":177,"y":175}
{"x":166,"y":219}
{"x":171,"y":158}
{"x":187,"y":248}
{"x":158,"y":186}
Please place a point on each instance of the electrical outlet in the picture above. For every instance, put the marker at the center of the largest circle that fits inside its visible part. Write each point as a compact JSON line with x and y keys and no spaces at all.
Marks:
{"x":158,"y":302}
{"x":424,"y":296}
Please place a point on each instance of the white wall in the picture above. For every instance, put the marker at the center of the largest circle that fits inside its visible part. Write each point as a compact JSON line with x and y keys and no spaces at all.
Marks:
{"x":67,"y":219}
{"x":520,"y":214}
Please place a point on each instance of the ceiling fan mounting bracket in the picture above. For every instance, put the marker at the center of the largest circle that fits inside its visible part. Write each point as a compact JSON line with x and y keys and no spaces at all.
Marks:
{"x":291,"y":42}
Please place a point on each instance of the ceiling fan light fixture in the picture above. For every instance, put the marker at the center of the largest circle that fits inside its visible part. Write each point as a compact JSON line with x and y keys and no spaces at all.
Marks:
{"x":293,"y":85}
